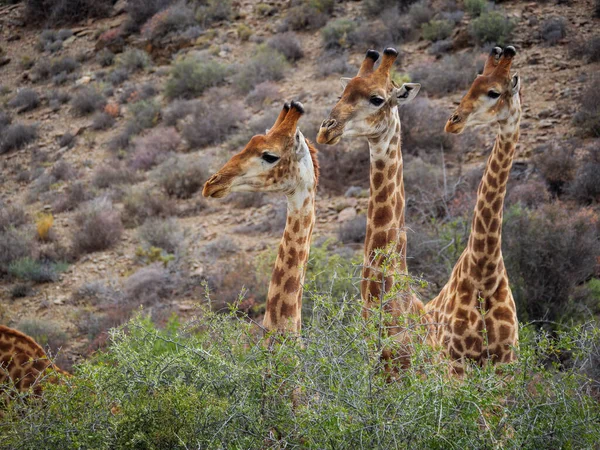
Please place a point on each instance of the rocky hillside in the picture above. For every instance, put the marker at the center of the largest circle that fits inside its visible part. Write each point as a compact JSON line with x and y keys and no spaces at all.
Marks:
{"x":112,"y":119}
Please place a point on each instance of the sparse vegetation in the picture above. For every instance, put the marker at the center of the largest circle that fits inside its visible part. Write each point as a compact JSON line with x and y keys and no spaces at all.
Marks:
{"x":25,"y":100}
{"x":553,"y":30}
{"x":182,"y":176}
{"x":353,"y":230}
{"x":58,"y":12}
{"x":98,"y":227}
{"x":47,"y":333}
{"x":557,"y":164}
{"x":212,"y":122}
{"x":288,"y":45}
{"x":165,"y":234}
{"x":176,"y":18}
{"x":141,"y":204}
{"x":133,"y":60}
{"x":102,"y":121}
{"x":477,"y":7}
{"x":17,"y":136}
{"x":587,"y":118}
{"x":105,"y":57}
{"x":265,"y":65}
{"x":191,"y":76}
{"x":28,"y":269}
{"x":335,"y":34}
{"x":145,"y":113}
{"x":437,"y":30}
{"x":451,"y":73}
{"x":87,"y":101}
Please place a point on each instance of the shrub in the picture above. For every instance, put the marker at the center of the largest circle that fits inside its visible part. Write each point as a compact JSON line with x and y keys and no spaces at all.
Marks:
{"x":134,"y":93}
{"x":44,"y":224}
{"x":47,"y":333}
{"x":212,"y":122}
{"x":288,"y":45}
{"x":221,"y":247}
{"x":118,"y":76}
{"x":191,"y":76}
{"x":109,"y":175}
{"x":39,"y":272}
{"x":98,"y":227}
{"x":149,"y":285}
{"x":105,"y":57}
{"x":451,"y":73}
{"x":476,"y":7}
{"x":531,"y":194}
{"x":120,"y":143}
{"x":420,"y":13}
{"x":141,"y":204}
{"x":182,"y":176}
{"x":437,"y":30}
{"x":140,"y":11}
{"x":418,"y":129}
{"x":585,"y":188}
{"x":549,"y":252}
{"x":587,"y":119}
{"x":338,"y":65}
{"x":66,"y":140}
{"x":17,"y":136}
{"x":25,"y":100}
{"x":370,"y":35}
{"x":102,"y":121}
{"x":12,"y":216}
{"x":176,"y":18}
{"x":353,"y":230}
{"x":14,"y":245}
{"x":145,"y":113}
{"x":557,"y":164}
{"x":492,"y":27}
{"x":133,"y":60}
{"x":263,"y":94}
{"x":58,"y":98}
{"x":304,"y":17}
{"x":5,"y":120}
{"x":212,"y":11}
{"x":154,"y":148}
{"x":74,"y":195}
{"x":66,"y":11}
{"x":344,"y":166}
{"x":553,"y":30}
{"x":86,"y":101}
{"x":377,"y":7}
{"x":335,"y":34}
{"x":588,"y":49}
{"x":63,"y":65}
{"x":264,"y":65}
{"x":177,"y":110}
{"x":165,"y":234}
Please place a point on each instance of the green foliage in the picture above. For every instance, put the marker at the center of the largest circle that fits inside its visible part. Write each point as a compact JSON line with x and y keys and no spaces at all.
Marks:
{"x":37,"y":271}
{"x":476,"y":7}
{"x":133,"y":60}
{"x":190,"y":77}
{"x":44,"y":332}
{"x":153,"y":255}
{"x":436,"y":30}
{"x":335,"y":34}
{"x":212,"y":383}
{"x":145,"y":113}
{"x":492,"y":27}
{"x":265,"y":65}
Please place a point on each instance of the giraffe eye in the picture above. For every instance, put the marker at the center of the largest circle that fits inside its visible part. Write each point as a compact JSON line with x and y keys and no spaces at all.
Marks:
{"x":268,"y":157}
{"x":493,"y":94}
{"x":376,"y":101}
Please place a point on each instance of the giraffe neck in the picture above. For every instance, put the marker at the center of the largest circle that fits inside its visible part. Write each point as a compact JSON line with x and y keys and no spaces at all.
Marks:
{"x":385,"y":220}
{"x":284,"y":299}
{"x":485,"y":240}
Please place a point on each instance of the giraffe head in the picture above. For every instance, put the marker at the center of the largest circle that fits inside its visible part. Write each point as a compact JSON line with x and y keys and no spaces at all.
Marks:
{"x":493,"y":96}
{"x":366,"y":105}
{"x":281,"y":160}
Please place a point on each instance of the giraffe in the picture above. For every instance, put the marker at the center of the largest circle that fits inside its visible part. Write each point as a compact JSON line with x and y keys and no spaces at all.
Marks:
{"x":282,"y":160}
{"x":368,"y":108}
{"x":23,"y":361}
{"x":475,"y":310}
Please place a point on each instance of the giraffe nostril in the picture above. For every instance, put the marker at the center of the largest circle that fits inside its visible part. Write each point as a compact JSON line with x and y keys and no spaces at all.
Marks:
{"x":455,"y":118}
{"x":328,"y":123}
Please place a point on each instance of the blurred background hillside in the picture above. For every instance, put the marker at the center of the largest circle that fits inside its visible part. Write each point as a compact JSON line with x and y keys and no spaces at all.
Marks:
{"x":114,"y":114}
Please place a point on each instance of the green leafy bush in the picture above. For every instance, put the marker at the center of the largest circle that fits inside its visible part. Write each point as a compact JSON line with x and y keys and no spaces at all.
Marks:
{"x":476,"y":7}
{"x":37,"y":271}
{"x":492,"y":27}
{"x":191,"y":76}
{"x":436,"y":30}
{"x":212,"y":383}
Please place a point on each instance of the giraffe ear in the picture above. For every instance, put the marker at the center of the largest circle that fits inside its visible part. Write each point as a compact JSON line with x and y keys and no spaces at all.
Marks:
{"x":344,"y":81}
{"x":299,"y":145}
{"x":515,"y":84}
{"x":406,"y":93}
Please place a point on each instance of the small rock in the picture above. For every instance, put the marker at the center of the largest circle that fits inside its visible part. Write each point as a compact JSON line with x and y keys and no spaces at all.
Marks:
{"x":58,"y":301}
{"x":346,"y":214}
{"x":545,"y":113}
{"x":83,"y":80}
{"x":67,"y":42}
{"x":185,"y":307}
{"x":546,"y":124}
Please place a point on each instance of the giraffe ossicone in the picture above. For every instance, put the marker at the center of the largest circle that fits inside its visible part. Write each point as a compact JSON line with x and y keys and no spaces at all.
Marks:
{"x":368,"y":108}
{"x":284,"y":161}
{"x":475,"y":310}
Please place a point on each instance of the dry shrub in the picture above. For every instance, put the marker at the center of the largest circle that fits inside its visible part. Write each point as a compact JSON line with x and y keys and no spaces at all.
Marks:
{"x":265,"y":64}
{"x":353,"y":230}
{"x":141,"y":204}
{"x":263,"y":94}
{"x":587,"y":118}
{"x":154,"y":148}
{"x":25,"y":100}
{"x":17,"y":136}
{"x":553,"y":30}
{"x":191,"y":76}
{"x":98,"y":227}
{"x":182,"y":176}
{"x":15,"y":244}
{"x":44,"y":224}
{"x":585,"y":188}
{"x":12,"y":216}
{"x":165,"y":234}
{"x":47,"y":333}
{"x":556,"y":162}
{"x":86,"y":101}
{"x":345,"y":164}
{"x":423,"y":127}
{"x":451,"y":73}
{"x":57,"y":12}
{"x":530,"y":194}
{"x":74,"y":195}
{"x":175,"y":19}
{"x":288,"y":45}
{"x":112,"y":174}
{"x":212,"y":122}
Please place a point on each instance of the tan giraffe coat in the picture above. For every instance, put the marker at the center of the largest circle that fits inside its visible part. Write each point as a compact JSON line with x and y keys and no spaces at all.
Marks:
{"x":475,"y":311}
{"x":23,"y":361}
{"x":280,"y":161}
{"x":369,"y":107}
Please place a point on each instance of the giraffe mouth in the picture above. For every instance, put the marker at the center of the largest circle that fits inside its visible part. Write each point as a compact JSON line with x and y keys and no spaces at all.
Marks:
{"x":215,"y":191}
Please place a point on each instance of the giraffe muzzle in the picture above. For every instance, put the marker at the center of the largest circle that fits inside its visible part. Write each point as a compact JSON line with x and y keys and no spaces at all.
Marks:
{"x":329,"y":132}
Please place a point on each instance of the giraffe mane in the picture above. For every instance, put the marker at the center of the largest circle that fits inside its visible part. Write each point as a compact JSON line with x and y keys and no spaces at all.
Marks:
{"x":315,"y":159}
